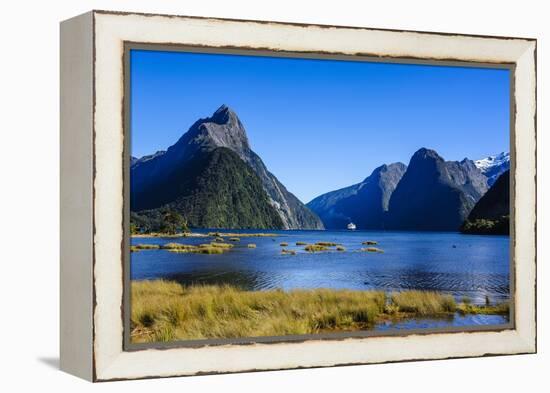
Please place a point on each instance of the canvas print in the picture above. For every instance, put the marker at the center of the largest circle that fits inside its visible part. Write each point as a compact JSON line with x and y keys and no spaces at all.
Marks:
{"x":284,"y":196}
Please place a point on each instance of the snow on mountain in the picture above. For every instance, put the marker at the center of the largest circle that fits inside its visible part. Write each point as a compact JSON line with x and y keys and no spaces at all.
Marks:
{"x":493,"y":166}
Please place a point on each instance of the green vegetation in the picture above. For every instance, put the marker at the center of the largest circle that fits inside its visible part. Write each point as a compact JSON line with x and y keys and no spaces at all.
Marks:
{"x":139,"y":247}
{"x":482,"y":226}
{"x":370,"y":243}
{"x":165,"y":220}
{"x":251,"y":245}
{"x":340,"y":248}
{"x":301,"y":243}
{"x":283,"y":244}
{"x":209,"y":248}
{"x":229,"y":234}
{"x":315,"y":248}
{"x":216,"y":189}
{"x":423,"y":302}
{"x":167,"y":311}
{"x":218,"y":245}
{"x":372,"y":249}
{"x":147,"y":246}
{"x":500,"y":309}
{"x":327,"y":244}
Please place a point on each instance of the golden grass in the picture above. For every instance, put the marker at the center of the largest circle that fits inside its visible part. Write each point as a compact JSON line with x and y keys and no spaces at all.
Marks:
{"x":162,"y":234}
{"x":301,"y":243}
{"x":423,"y":302}
{"x":315,"y":248}
{"x":146,"y":246}
{"x":370,"y":243}
{"x":167,"y":311}
{"x":283,"y":244}
{"x":230,"y":234}
{"x":372,"y":249}
{"x":234,"y":239}
{"x":499,"y":309}
{"x":327,"y":244}
{"x":209,"y":248}
{"x":288,"y":252}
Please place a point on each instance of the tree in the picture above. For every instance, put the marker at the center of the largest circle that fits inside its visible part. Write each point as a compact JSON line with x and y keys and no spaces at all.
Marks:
{"x":173,"y":222}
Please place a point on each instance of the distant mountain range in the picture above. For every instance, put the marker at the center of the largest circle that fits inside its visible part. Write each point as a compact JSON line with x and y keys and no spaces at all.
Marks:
{"x":494,"y":166}
{"x":428,"y":194}
{"x":212,"y":177}
{"x":364,"y":204}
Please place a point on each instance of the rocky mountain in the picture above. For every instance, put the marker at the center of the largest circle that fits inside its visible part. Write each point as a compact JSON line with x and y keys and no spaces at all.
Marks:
{"x":491,"y":214}
{"x":364,"y":204}
{"x":215,"y":190}
{"x":493,"y":166}
{"x":435,"y":194}
{"x":156,"y":181}
{"x":136,"y":161}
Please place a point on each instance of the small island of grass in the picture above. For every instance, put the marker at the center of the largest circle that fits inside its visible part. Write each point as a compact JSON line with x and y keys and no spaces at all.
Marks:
{"x":372,"y":249}
{"x":315,"y":248}
{"x":327,"y":244}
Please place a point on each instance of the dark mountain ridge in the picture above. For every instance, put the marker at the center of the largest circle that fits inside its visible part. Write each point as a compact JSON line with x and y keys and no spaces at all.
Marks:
{"x":435,"y":194}
{"x":491,"y":214}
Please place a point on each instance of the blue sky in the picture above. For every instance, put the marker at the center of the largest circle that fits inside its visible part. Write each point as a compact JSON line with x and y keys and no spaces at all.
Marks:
{"x":320,"y":125}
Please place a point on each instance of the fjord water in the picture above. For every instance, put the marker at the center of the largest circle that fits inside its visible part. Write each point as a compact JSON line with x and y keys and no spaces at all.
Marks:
{"x":462,"y":265}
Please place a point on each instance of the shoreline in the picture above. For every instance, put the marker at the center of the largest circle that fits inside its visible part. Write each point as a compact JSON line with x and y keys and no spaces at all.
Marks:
{"x":164,"y":311}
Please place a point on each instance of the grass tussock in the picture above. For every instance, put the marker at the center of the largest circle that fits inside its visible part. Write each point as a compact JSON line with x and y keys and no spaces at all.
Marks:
{"x":146,"y":246}
{"x":372,"y":249}
{"x":370,"y":243}
{"x":423,"y":302}
{"x":218,"y":239}
{"x":283,"y":244}
{"x":234,"y":239}
{"x":315,"y":248}
{"x":288,"y":252}
{"x":301,"y":243}
{"x":251,"y":245}
{"x":218,"y":245}
{"x":340,"y":248}
{"x":498,"y":309}
{"x":230,"y":234}
{"x":327,"y":244}
{"x":163,"y":234}
{"x":208,"y":248}
{"x":166,"y":311}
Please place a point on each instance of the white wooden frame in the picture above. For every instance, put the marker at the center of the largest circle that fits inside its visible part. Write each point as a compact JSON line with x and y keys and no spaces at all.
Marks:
{"x":92,"y":190}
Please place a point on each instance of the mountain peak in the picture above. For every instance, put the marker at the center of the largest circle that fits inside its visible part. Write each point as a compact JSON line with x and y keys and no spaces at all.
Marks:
{"x":224,"y":115}
{"x":425,"y":153}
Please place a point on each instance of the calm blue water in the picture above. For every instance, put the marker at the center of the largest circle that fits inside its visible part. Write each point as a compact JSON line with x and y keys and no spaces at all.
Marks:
{"x":462,"y":265}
